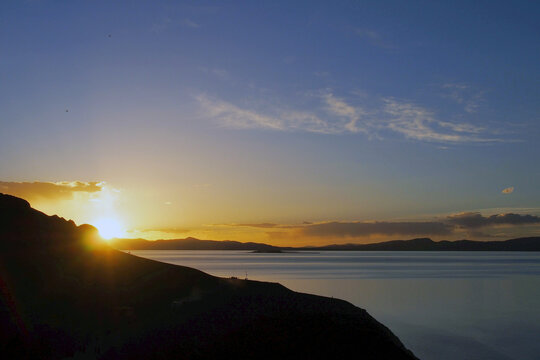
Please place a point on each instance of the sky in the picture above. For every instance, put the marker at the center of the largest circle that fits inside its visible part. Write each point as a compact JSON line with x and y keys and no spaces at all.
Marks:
{"x":290,"y":123}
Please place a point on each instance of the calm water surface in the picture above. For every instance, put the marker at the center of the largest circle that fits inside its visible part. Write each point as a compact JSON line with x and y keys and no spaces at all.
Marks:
{"x":442,"y":305}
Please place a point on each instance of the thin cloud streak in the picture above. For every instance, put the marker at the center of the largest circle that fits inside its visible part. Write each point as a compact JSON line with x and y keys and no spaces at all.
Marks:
{"x":338,"y":116}
{"x":374,"y":38}
{"x":465,"y":95}
{"x":233,"y":116}
{"x":165,"y":230}
{"x":254,"y":225}
{"x":418,"y":123}
{"x":190,"y":23}
{"x":339,"y":107}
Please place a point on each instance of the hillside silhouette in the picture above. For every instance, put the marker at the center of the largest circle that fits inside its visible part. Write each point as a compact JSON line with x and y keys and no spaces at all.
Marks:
{"x":65,"y":293}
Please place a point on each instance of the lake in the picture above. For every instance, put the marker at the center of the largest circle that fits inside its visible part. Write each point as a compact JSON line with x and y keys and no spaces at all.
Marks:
{"x":442,"y":305}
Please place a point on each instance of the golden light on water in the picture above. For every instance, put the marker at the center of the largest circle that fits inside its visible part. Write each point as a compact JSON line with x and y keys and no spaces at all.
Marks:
{"x":109,"y":227}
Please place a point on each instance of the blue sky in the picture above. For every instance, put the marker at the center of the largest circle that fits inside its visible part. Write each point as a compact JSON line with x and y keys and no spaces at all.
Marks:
{"x":278,"y":112}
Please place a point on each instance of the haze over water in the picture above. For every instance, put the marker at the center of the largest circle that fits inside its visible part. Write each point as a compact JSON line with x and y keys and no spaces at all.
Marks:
{"x":442,"y":305}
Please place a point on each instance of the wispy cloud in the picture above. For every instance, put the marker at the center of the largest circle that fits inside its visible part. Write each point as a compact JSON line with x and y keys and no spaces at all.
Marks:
{"x":190,"y":24}
{"x":166,"y":230}
{"x":337,"y":115}
{"x":167,"y":23}
{"x":339,"y":107}
{"x":234,"y":116}
{"x":254,"y":225}
{"x":162,"y":25}
{"x":374,"y":38}
{"x":419,"y":123}
{"x":219,"y":73}
{"x":466,"y":95}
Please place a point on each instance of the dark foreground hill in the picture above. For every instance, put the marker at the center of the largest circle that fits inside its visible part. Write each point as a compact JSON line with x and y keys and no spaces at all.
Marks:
{"x":64,"y":293}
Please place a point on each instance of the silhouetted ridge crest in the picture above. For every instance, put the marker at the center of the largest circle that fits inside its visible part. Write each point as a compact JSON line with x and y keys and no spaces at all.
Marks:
{"x":23,"y":226}
{"x":13,"y":203}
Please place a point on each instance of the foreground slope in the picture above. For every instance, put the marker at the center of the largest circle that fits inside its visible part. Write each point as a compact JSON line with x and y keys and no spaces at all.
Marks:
{"x":65,"y":293}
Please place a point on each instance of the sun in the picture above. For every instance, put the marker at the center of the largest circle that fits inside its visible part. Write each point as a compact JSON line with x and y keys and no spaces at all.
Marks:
{"x":109,"y":227}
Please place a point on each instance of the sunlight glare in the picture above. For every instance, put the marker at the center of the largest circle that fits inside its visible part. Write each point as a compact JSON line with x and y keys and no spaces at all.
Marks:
{"x":109,"y":227}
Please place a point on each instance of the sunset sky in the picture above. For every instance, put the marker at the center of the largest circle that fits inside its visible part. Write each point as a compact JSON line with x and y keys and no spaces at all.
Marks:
{"x":280,"y":122}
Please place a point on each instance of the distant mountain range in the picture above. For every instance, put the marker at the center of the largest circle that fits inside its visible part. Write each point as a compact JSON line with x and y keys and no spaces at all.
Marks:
{"x":190,"y":243}
{"x":420,"y":244}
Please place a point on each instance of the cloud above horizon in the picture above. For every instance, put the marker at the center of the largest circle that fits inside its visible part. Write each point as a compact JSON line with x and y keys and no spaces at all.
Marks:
{"x":473,"y":220}
{"x":360,"y":229}
{"x":259,"y":225}
{"x":61,"y":190}
{"x":461,"y":223}
{"x":165,"y":230}
{"x":332,"y":114}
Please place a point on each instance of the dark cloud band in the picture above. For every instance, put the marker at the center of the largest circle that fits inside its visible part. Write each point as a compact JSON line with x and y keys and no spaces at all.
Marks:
{"x":469,"y":222}
{"x":476,"y":220}
{"x":353,"y":229}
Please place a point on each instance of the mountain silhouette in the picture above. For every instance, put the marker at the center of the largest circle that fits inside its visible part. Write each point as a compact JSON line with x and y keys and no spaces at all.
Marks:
{"x":426,"y":244}
{"x":66,"y":293}
{"x":190,"y":243}
{"x":420,"y":244}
